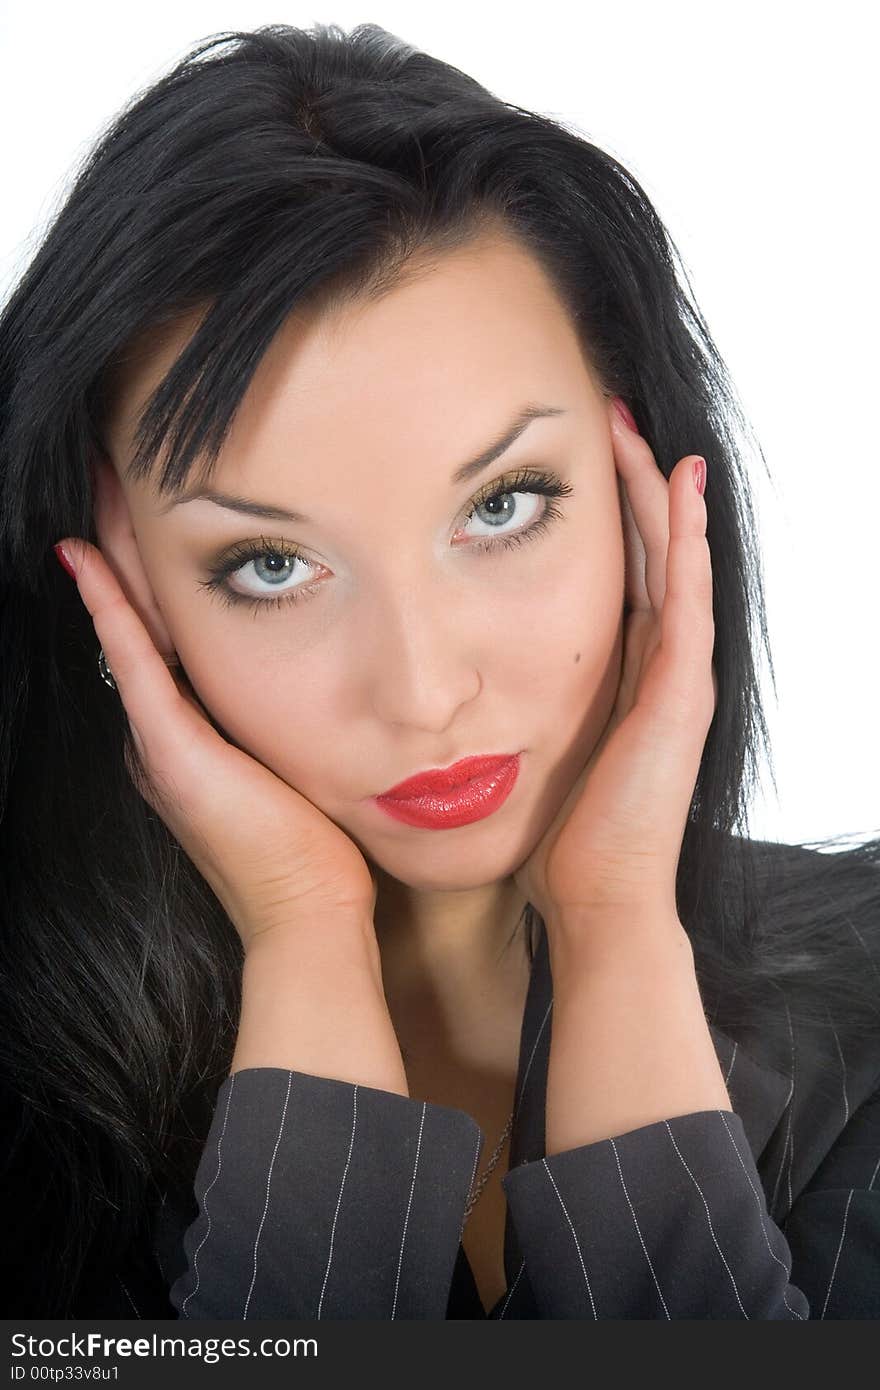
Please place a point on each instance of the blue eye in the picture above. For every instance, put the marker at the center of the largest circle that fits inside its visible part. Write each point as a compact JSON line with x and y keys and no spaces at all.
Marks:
{"x":276,"y":561}
{"x":276,"y":557}
{"x":501,"y":505}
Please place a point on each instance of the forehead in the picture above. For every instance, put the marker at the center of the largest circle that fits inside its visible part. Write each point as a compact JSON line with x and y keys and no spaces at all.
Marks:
{"x":479,"y":326}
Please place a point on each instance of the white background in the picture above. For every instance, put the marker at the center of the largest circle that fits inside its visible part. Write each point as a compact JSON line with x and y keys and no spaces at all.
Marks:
{"x":753,"y":128}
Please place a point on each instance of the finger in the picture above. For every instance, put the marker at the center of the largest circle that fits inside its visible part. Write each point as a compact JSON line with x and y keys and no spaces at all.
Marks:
{"x":687,"y":628}
{"x":648,"y":493}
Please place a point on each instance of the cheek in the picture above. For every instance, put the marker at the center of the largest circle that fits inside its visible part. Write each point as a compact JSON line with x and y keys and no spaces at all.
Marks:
{"x":266,"y":706}
{"x":572,"y":691}
{"x":571,"y":621}
{"x":246,"y":669}
{"x":577,"y":687}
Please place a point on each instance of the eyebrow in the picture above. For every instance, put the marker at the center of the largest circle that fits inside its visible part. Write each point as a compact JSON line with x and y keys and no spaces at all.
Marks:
{"x":462,"y":474}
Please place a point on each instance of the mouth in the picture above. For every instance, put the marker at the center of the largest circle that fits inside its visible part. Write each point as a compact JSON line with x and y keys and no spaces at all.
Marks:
{"x":444,"y":798}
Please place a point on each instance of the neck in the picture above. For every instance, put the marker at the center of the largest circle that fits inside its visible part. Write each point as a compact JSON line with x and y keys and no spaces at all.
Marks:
{"x":453,"y":939}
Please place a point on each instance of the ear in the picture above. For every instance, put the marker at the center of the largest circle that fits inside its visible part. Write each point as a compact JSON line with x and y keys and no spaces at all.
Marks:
{"x":118,"y":544}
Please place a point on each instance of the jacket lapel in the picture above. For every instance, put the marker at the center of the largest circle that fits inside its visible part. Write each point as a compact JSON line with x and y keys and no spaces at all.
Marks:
{"x":758,"y":1091}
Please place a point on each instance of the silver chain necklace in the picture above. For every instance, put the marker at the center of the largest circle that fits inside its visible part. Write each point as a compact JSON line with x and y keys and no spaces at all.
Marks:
{"x":487,"y":1172}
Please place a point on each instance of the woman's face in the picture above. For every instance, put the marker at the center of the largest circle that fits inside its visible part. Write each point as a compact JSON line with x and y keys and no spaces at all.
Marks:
{"x":397,"y":642}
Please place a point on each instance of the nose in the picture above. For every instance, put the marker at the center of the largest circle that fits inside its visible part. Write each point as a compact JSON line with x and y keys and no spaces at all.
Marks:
{"x":420,"y":653}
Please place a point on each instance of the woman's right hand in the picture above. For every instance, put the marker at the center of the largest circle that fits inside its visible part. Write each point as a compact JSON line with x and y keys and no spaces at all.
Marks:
{"x":271,"y":857}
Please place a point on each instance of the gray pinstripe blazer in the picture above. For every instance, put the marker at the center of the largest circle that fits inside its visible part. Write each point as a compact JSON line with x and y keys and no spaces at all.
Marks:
{"x":318,"y":1198}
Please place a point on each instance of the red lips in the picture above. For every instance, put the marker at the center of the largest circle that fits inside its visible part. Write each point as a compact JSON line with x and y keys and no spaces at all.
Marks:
{"x":444,"y":779}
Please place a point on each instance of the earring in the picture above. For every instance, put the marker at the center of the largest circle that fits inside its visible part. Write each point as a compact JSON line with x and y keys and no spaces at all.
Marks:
{"x":104,"y":669}
{"x":107,"y":674}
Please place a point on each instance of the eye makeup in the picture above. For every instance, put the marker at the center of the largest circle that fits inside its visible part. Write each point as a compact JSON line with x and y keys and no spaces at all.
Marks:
{"x":526,"y":481}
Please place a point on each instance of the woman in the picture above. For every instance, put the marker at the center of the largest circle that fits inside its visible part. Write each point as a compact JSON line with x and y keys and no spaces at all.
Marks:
{"x":279,"y":956}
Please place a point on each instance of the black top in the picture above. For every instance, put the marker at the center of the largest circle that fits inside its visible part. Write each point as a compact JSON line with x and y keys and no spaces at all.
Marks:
{"x":319,"y":1198}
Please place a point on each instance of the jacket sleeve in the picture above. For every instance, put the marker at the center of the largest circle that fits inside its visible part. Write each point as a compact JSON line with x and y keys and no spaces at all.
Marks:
{"x":321,"y":1198}
{"x":666,"y":1221}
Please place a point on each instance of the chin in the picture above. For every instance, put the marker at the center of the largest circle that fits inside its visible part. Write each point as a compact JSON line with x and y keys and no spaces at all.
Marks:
{"x":445,"y":862}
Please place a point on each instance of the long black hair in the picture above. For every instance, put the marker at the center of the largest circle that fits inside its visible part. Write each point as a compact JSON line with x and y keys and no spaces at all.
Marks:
{"x":269,"y":170}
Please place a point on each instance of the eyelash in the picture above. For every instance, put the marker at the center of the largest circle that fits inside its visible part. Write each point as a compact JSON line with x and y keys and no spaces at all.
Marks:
{"x":527,"y":480}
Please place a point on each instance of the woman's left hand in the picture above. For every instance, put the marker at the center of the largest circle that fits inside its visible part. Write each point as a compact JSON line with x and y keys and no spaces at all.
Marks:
{"x":614,"y":846}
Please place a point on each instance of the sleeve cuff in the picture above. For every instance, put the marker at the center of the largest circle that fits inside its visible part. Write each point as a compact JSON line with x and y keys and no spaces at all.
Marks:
{"x":666,"y":1221}
{"x":321,"y":1198}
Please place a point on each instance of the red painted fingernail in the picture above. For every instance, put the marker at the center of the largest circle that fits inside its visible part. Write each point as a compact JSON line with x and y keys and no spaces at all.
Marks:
{"x":700,"y":475}
{"x":625,"y":413}
{"x":64,"y":559}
